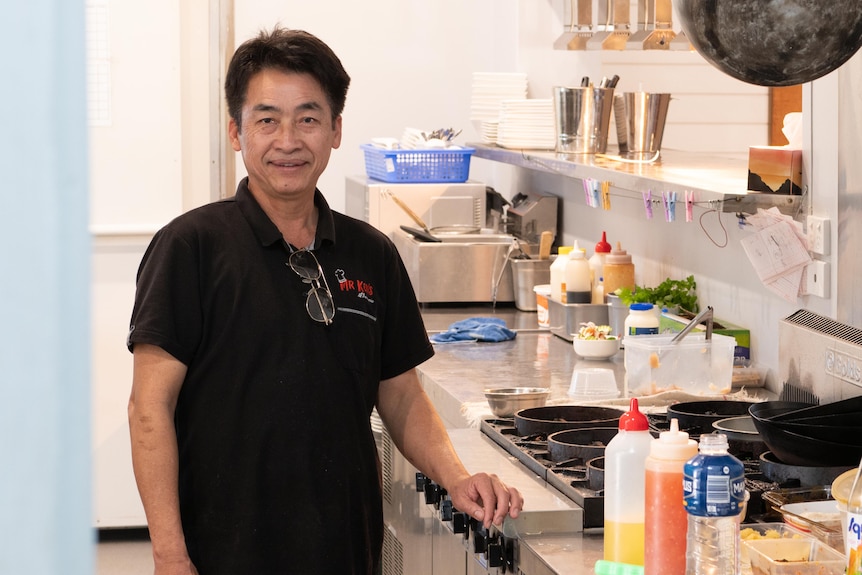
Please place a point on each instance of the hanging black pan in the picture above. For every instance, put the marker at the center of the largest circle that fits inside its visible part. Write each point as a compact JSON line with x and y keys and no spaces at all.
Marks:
{"x":776,"y":43}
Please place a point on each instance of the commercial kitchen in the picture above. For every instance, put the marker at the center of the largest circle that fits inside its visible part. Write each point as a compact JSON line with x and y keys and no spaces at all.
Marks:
{"x":172,"y":140}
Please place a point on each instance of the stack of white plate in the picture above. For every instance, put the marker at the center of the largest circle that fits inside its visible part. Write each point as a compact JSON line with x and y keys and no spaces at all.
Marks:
{"x":527,"y":124}
{"x":490,"y":89}
{"x":489,"y":131}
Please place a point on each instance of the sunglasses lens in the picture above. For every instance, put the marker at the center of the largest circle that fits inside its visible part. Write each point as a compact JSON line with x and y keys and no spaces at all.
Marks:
{"x":319,"y":305}
{"x":305,"y":264}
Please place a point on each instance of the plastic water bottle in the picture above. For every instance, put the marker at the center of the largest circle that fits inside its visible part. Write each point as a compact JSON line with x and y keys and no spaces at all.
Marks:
{"x":625,"y":456}
{"x":853,"y":535}
{"x":713,"y":495}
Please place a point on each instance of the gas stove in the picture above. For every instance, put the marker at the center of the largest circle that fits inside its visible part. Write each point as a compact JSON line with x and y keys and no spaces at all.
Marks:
{"x":583,"y":483}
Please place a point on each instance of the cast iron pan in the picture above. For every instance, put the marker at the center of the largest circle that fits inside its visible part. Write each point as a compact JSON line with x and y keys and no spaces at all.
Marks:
{"x":548,"y":419}
{"x":795,"y":449}
{"x":778,"y":43}
{"x":697,"y":417}
{"x":807,"y":476}
{"x":596,"y":473}
{"x":846,"y":407}
{"x":580,"y":443}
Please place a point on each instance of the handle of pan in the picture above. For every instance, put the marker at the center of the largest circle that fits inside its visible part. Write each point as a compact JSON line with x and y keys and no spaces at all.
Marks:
{"x":413,"y":215}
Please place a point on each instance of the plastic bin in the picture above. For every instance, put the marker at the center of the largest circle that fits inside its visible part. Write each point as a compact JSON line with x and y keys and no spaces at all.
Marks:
{"x":694,"y":365}
{"x":417,"y":166}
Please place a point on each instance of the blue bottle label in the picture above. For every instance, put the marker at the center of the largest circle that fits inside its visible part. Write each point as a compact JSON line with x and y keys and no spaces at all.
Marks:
{"x":713,"y":486}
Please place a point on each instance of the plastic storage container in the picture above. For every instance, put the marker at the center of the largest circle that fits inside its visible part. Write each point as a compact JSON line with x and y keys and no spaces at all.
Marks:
{"x":642,"y":320}
{"x":713,"y":495}
{"x":625,"y":456}
{"x":665,"y":518}
{"x":406,"y":166}
{"x":543,"y":292}
{"x":619,"y":271}
{"x":558,"y":273}
{"x":694,"y":364}
{"x":578,"y":288}
{"x":853,"y":533}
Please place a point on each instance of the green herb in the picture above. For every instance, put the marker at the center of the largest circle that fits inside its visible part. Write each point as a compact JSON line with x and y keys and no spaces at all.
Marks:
{"x":669,"y":294}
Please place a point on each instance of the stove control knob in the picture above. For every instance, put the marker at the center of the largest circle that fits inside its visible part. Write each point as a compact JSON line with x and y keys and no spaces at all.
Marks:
{"x":480,"y":539}
{"x":494,"y":553}
{"x":446,"y":510}
{"x":421,"y":482}
{"x":460,"y":522}
{"x":432,"y":493}
{"x":509,"y":552}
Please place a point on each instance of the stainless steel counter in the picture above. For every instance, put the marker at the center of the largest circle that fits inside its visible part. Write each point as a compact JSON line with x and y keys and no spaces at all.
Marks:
{"x":460,"y":372}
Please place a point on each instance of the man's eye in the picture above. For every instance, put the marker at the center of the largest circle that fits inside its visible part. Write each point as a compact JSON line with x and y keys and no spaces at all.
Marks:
{"x":267,"y":121}
{"x":309,"y":120}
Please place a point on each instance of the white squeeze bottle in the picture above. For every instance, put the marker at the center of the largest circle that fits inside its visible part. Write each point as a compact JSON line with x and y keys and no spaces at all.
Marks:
{"x":625,"y":469}
{"x":558,"y":274}
{"x":853,"y":535}
{"x":578,"y":289}
{"x":597,"y":263}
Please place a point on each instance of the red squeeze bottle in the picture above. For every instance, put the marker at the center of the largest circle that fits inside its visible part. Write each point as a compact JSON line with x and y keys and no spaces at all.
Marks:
{"x":665,"y":517}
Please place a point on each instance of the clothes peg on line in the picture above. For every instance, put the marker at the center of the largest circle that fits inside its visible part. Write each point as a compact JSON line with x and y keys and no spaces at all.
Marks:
{"x":606,"y":195}
{"x":647,"y":196}
{"x":689,"y":205}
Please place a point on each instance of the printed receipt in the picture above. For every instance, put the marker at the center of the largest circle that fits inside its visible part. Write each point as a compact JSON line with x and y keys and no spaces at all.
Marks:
{"x":778,"y":250}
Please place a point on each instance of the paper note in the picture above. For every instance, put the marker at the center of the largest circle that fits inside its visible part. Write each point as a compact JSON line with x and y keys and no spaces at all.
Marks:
{"x":778,"y":252}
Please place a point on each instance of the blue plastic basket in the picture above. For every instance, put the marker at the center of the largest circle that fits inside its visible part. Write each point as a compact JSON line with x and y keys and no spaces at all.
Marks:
{"x":446,"y":165}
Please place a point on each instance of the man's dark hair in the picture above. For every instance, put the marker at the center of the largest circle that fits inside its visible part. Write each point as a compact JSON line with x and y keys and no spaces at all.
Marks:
{"x":288,"y":51}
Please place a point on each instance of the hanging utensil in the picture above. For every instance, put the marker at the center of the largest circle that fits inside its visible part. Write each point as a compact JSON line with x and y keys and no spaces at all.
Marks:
{"x":655,"y":26}
{"x":617,"y":27}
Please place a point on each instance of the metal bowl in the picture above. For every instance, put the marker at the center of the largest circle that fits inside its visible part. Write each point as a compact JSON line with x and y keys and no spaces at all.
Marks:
{"x":505,"y":401}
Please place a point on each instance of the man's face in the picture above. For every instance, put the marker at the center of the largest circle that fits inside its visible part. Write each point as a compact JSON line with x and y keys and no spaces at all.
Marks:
{"x":287,"y":134}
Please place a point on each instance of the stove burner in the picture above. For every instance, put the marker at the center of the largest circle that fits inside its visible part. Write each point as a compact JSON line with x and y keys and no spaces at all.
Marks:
{"x":572,"y":479}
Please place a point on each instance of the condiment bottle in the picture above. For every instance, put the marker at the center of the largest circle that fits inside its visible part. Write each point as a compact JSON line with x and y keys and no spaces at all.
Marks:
{"x":713,"y":496}
{"x":853,"y":533}
{"x":642,"y":319}
{"x":578,"y":278}
{"x":618,"y":271}
{"x":625,"y":456}
{"x":558,"y":273}
{"x":597,"y":263}
{"x":665,"y":518}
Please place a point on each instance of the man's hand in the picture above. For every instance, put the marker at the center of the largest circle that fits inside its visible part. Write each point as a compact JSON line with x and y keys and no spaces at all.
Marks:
{"x":485,"y":498}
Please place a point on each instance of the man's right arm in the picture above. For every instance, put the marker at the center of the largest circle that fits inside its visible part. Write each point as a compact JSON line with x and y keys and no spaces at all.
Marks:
{"x":156,"y":383}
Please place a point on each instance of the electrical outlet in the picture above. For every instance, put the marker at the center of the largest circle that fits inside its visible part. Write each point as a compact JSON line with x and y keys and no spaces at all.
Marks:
{"x":818,"y":235}
{"x":816,"y":279}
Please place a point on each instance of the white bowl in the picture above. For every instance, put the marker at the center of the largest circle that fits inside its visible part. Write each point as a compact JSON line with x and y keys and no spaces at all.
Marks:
{"x":596,"y":348}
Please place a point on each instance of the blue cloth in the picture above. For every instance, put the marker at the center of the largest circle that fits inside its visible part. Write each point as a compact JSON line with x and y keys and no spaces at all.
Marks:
{"x":475,"y":329}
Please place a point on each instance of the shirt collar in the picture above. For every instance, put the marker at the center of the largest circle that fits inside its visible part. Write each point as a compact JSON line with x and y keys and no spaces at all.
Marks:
{"x":267,"y":232}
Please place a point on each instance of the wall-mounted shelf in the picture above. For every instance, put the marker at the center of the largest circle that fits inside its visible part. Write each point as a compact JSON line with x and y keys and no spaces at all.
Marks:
{"x":712,"y":177}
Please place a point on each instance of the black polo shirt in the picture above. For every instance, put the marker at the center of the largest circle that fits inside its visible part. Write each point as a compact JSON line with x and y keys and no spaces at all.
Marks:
{"x":278,"y":466}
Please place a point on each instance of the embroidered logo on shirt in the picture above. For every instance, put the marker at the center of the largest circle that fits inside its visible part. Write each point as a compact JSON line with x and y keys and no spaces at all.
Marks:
{"x":362,"y":289}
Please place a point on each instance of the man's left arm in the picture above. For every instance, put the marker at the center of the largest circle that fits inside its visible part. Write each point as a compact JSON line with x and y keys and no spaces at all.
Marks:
{"x":420,"y":435}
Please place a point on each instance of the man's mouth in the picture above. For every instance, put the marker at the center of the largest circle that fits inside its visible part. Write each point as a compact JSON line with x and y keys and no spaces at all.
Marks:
{"x":288,"y":163}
